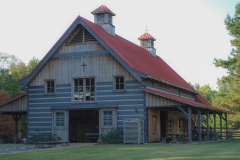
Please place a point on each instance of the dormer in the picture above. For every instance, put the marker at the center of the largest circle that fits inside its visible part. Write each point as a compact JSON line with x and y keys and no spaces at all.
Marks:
{"x":103,"y":17}
{"x":147,"y":42}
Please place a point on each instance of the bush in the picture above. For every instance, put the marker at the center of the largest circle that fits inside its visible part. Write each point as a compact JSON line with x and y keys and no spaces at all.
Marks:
{"x":115,"y":136}
{"x":44,"y":137}
{"x":8,"y":138}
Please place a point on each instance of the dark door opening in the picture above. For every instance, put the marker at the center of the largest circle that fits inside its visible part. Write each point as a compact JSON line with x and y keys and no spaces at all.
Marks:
{"x":83,"y":122}
{"x":163,"y":117}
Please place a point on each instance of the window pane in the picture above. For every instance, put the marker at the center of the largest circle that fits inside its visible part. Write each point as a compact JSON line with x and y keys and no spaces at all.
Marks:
{"x":80,"y":82}
{"x":121,"y":86}
{"x":52,"y":90}
{"x":76,"y":83}
{"x":122,"y":80}
{"x":110,"y":123}
{"x":117,"y":80}
{"x":92,"y":82}
{"x":117,"y":86}
{"x":87,"y":82}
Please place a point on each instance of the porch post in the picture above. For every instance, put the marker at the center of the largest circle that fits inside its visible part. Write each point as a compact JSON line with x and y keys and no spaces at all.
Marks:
{"x":220,"y":115}
{"x":207,"y":126}
{"x":189,"y":125}
{"x":214,"y":117}
{"x":16,"y":118}
{"x":199,"y":125}
{"x":226,"y":126}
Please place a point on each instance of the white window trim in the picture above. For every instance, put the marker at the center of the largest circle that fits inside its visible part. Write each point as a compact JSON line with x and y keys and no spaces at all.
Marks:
{"x":54,"y":119}
{"x":114,"y":115}
{"x":114,"y":84}
{"x":72,"y":90}
{"x":45,"y":87}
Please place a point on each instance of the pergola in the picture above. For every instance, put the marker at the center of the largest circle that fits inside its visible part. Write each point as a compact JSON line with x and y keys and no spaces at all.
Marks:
{"x":16,"y":106}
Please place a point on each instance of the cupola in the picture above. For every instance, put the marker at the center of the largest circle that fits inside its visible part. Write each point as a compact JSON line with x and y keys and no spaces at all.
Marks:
{"x":147,"y":42}
{"x":103,"y":17}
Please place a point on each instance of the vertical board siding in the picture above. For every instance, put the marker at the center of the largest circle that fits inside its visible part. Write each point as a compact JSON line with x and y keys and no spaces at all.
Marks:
{"x":63,"y":69}
{"x":130,"y":104}
{"x":155,"y":100}
{"x":19,"y":104}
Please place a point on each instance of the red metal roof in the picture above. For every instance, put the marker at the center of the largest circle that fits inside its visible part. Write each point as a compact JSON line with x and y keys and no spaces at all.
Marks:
{"x":102,"y":9}
{"x":138,"y":58}
{"x":184,"y":100}
{"x":134,"y":56}
{"x":14,"y":98}
{"x":146,"y":36}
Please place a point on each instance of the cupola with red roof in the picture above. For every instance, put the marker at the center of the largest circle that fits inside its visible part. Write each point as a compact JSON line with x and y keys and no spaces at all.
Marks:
{"x":103,"y":18}
{"x":147,"y":42}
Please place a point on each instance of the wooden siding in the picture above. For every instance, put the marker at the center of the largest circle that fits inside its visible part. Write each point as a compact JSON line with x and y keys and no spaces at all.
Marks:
{"x":130,"y":104}
{"x":154,"y":100}
{"x":103,"y":67}
{"x":19,"y":104}
{"x":81,"y":47}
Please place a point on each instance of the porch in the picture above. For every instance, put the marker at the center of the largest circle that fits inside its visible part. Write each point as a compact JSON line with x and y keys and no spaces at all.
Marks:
{"x":176,"y":119}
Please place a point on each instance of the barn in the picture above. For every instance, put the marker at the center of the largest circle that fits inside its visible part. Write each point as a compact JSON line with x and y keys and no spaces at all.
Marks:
{"x":93,"y":81}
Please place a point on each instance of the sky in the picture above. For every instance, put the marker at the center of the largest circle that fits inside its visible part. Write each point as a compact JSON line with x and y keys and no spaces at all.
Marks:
{"x":189,"y":33}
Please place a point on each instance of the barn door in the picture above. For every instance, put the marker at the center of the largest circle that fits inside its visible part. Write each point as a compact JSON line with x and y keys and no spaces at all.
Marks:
{"x":61,"y":123}
{"x":154,"y":134}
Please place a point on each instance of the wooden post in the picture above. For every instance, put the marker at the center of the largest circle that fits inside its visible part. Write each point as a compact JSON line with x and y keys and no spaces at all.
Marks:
{"x":226,"y":126}
{"x":199,"y":125}
{"x":208,"y":126}
{"x":214,"y":133}
{"x":189,"y":125}
{"x":16,"y":118}
{"x":220,"y":115}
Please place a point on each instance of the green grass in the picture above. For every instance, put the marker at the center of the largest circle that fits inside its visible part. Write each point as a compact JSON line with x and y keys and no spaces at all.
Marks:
{"x":215,"y":150}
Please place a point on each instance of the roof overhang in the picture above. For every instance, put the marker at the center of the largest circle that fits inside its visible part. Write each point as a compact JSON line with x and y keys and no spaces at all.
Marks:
{"x":13,"y":99}
{"x":185,"y":101}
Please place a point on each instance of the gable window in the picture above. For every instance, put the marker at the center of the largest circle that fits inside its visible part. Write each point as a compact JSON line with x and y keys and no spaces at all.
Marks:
{"x":119,"y":84}
{"x":60,"y":119}
{"x":107,"y":118}
{"x":84,"y":90}
{"x":49,"y":87}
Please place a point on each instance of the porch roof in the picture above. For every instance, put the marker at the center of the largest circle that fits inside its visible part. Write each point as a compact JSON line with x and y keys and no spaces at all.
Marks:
{"x":17,"y":104}
{"x":184,"y":100}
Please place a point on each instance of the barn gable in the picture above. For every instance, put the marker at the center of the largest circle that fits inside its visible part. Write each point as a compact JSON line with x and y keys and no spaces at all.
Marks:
{"x":70,"y":42}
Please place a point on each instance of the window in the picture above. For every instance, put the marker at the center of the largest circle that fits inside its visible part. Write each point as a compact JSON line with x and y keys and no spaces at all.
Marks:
{"x":119,"y":84}
{"x":154,"y":121}
{"x":84,"y":90}
{"x":49,"y":87}
{"x":107,"y":118}
{"x":60,"y":119}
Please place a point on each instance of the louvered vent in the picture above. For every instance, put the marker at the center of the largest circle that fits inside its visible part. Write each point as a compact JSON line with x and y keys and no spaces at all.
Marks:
{"x":133,"y":131}
{"x":82,"y":36}
{"x":89,"y":37}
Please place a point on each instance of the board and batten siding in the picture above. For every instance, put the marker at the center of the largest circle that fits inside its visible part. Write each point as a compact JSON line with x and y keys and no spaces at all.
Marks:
{"x":19,"y":104}
{"x":155,"y":100}
{"x":101,"y":66}
{"x":129,"y":104}
{"x":82,"y":47}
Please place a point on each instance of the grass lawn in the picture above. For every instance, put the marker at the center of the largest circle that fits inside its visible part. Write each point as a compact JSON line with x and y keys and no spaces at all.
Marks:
{"x":214,"y":150}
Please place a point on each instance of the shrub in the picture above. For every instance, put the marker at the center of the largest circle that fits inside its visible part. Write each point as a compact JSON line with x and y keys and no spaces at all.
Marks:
{"x":44,"y":137}
{"x":115,"y":136}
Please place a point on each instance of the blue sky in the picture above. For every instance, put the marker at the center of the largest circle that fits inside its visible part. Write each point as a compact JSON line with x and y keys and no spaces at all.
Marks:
{"x":189,"y":33}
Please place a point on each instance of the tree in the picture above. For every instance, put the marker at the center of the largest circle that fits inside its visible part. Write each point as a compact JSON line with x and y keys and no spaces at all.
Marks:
{"x":228,"y":95}
{"x":6,"y":122}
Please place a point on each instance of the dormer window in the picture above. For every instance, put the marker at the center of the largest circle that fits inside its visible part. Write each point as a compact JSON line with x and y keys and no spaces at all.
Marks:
{"x":119,"y":84}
